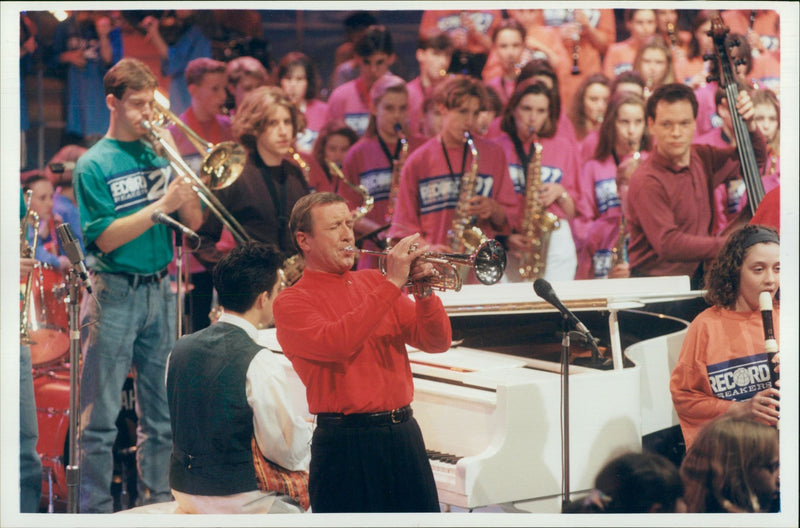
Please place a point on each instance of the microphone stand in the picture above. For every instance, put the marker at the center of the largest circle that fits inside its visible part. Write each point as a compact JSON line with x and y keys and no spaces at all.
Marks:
{"x":179,"y":280}
{"x":565,"y":410}
{"x":73,"y":471}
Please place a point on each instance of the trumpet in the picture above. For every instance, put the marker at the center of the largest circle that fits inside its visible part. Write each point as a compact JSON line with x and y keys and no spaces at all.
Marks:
{"x":27,"y":251}
{"x":488,"y":263}
{"x":222,"y":163}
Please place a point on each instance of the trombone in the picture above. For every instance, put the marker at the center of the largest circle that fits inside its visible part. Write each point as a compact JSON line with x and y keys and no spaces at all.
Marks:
{"x":488,"y":262}
{"x":222,"y":163}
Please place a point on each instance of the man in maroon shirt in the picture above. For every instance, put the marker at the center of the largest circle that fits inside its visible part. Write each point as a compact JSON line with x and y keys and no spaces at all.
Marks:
{"x":345,"y":333}
{"x":669,"y":203}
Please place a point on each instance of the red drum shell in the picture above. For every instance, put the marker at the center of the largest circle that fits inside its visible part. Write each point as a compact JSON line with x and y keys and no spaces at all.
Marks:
{"x":47,"y":316}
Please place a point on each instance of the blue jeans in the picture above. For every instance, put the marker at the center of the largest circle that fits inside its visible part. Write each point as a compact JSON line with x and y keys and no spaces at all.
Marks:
{"x":136,"y":329}
{"x":30,"y":465}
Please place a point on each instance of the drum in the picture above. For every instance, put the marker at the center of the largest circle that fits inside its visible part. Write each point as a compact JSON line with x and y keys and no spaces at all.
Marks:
{"x":47,"y":316}
{"x":51,"y":391}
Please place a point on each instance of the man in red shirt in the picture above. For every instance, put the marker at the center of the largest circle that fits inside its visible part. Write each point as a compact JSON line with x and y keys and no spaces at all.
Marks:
{"x":346,"y":333}
{"x":670,"y":196}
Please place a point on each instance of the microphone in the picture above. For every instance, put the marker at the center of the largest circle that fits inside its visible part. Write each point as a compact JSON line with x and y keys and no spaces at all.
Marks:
{"x":544,"y":290}
{"x":74,"y":253}
{"x":160,"y":218}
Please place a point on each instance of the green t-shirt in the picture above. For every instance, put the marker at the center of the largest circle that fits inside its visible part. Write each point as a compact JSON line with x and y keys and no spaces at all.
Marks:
{"x":114,"y":179}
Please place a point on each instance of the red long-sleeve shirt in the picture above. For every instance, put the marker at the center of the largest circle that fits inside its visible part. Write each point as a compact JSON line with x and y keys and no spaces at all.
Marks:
{"x":346,"y":337}
{"x":670,"y":209}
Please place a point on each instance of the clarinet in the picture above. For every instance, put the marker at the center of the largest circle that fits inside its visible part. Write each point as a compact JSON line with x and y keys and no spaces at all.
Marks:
{"x":576,"y":49}
{"x":770,"y":343}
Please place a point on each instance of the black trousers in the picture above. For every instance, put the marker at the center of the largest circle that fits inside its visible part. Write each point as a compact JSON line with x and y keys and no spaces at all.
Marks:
{"x":198,"y":301}
{"x":371,"y":469}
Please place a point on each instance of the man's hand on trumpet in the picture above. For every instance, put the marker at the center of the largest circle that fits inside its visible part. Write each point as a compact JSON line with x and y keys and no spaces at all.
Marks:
{"x":400,"y":260}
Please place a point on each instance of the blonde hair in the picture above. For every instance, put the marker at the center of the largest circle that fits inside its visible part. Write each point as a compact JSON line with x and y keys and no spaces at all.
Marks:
{"x":766,"y":96}
{"x":388,"y":83}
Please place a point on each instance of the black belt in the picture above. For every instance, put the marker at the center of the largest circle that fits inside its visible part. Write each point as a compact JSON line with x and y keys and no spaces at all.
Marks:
{"x":396,"y":416}
{"x":136,"y":279}
{"x":212,"y":459}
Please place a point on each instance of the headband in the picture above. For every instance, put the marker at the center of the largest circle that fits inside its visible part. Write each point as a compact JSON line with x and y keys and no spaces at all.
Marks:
{"x":760,"y":235}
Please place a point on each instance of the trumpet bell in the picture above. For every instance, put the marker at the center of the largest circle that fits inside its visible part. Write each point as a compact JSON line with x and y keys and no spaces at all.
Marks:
{"x":223,"y":164}
{"x":490,"y":262}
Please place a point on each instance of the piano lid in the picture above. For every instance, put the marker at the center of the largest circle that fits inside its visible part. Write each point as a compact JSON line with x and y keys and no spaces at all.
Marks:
{"x":579,"y":295}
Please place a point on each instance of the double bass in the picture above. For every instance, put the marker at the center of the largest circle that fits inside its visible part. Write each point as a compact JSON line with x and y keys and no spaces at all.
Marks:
{"x":744,"y":146}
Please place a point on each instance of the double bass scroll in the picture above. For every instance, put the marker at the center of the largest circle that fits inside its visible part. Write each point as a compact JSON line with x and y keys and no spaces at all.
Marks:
{"x":744,"y":147}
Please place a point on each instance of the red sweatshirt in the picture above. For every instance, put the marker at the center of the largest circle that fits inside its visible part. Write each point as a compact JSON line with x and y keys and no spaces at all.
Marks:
{"x":346,"y":337}
{"x":722,"y":360}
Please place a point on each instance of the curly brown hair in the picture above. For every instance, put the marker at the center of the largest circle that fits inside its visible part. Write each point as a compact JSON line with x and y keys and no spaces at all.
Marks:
{"x":722,"y":279}
{"x":257,"y":107}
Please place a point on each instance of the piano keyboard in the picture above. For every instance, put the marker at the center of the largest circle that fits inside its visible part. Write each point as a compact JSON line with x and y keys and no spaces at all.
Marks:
{"x":444,"y":467}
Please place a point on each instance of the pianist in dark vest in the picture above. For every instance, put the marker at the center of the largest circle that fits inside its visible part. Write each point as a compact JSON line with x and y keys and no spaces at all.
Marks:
{"x":237,"y":445}
{"x":345,"y":334}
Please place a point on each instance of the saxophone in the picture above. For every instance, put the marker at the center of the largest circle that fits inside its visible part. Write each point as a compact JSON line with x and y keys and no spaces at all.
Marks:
{"x":397,"y":167}
{"x":305,"y":167}
{"x":367,"y":200}
{"x":464,"y":235}
{"x":619,"y":252}
{"x":537,"y":222}
{"x":27,"y":250}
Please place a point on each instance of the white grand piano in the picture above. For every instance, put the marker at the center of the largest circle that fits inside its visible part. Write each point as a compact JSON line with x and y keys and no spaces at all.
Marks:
{"x":490,"y":408}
